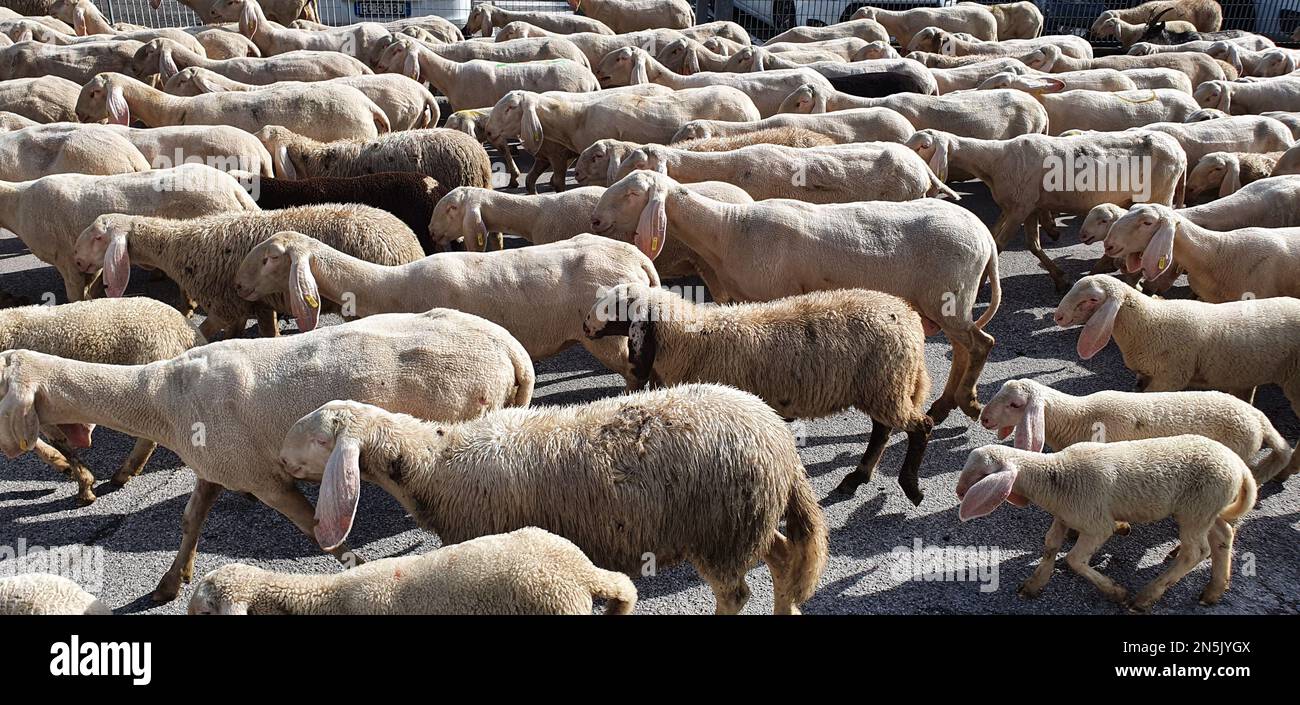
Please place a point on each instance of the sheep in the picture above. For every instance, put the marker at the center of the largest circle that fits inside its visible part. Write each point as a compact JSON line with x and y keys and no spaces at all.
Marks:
{"x":323,"y":112}
{"x":167,"y":59}
{"x":1160,"y":32}
{"x":485,"y":17}
{"x":1267,"y":63}
{"x":1226,"y":172}
{"x":594,"y":46}
{"x":476,"y":83}
{"x":203,"y":254}
{"x":77,"y":62}
{"x":866,"y":30}
{"x":600,"y":163}
{"x":764,"y":59}
{"x":632,"y":65}
{"x":13,"y":121}
{"x":1027,"y":174}
{"x":511,"y":52}
{"x":1089,"y":486}
{"x":551,"y":155}
{"x":1128,"y":33}
{"x":687,"y":56}
{"x":226,"y":148}
{"x":868,"y":171}
{"x":1237,"y":98}
{"x":31,"y":153}
{"x":1198,"y":67}
{"x":877,"y":77}
{"x":453,"y":158}
{"x":361,"y":41}
{"x":623,"y":16}
{"x":1104,"y":111}
{"x":223,"y":43}
{"x":879,"y":50}
{"x":1158,"y":78}
{"x":1204,"y":15}
{"x":44,"y":593}
{"x":1069,"y":45}
{"x":946,"y":268}
{"x":984,"y":114}
{"x":948,"y":80}
{"x":1242,"y":264}
{"x":408,"y":196}
{"x":527,"y":571}
{"x":1243,"y":133}
{"x":133,"y":331}
{"x":717,"y":469}
{"x":441,"y":365}
{"x":854,"y":125}
{"x":1016,"y":20}
{"x":49,"y":213}
{"x":787,"y":136}
{"x":541,"y":292}
{"x":279,"y":11}
{"x":44,"y":99}
{"x":1089,"y":80}
{"x":34,"y":31}
{"x":1232,"y":347}
{"x":941,"y":61}
{"x":1253,"y":42}
{"x":878,"y":364}
{"x":575,"y":121}
{"x":903,"y":24}
{"x":406,"y":103}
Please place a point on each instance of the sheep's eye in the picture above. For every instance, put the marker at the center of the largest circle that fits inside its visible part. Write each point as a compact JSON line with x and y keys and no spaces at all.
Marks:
{"x":1148,"y":221}
{"x":1015,"y":404}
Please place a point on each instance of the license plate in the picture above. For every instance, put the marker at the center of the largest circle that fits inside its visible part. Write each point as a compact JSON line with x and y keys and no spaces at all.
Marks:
{"x":382,"y":8}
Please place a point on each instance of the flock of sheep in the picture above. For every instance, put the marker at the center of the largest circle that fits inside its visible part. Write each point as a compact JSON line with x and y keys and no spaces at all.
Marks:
{"x":272,"y":166}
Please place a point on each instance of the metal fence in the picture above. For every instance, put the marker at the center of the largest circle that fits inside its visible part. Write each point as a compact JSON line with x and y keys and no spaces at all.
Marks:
{"x":763,"y":18}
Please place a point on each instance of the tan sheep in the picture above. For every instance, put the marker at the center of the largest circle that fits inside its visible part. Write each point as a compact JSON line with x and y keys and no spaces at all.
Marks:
{"x":166,"y":59}
{"x":623,"y":16}
{"x":30,"y":153}
{"x":44,"y":99}
{"x":841,"y":126}
{"x":1226,"y":172}
{"x":43,"y":593}
{"x":1205,"y":15}
{"x":452,"y":158}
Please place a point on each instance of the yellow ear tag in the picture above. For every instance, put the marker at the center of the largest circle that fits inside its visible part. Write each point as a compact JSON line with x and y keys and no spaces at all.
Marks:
{"x":654,"y":243}
{"x":1163,"y":263}
{"x":481,"y":242}
{"x":311,"y":301}
{"x":22,"y":445}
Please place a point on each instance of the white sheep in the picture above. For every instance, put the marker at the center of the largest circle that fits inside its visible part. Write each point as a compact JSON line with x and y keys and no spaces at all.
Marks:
{"x":1241,"y":133}
{"x":1089,"y":80}
{"x":1016,"y":20}
{"x":1000,"y":114}
{"x":511,"y":52}
{"x":954,"y":45}
{"x":43,"y":593}
{"x":166,"y":59}
{"x":77,"y":62}
{"x":362,"y":40}
{"x":30,"y":153}
{"x":843,"y":126}
{"x":625,"y":16}
{"x":959,"y":78}
{"x":903,"y":24}
{"x":1104,"y":111}
{"x":1090,"y":486}
{"x":486,"y":17}
{"x":527,"y":571}
{"x":716,"y":470}
{"x":1239,"y":98}
{"x":44,"y":99}
{"x":1226,"y":172}
{"x":866,"y":30}
{"x":1198,"y":67}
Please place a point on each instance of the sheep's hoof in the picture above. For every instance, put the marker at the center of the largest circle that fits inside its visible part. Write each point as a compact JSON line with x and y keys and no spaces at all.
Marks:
{"x":167,"y":589}
{"x":85,"y":499}
{"x":849,"y":485}
{"x":1028,"y":592}
{"x":1209,"y":599}
{"x":121,"y":478}
{"x":916,"y":495}
{"x":1173,"y":553}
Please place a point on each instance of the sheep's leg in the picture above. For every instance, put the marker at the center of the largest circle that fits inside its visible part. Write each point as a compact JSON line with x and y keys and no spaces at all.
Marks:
{"x":68,"y":464}
{"x":1032,"y":587}
{"x":1035,"y":245}
{"x":909,"y":476}
{"x":295,"y":507}
{"x":870,"y":459}
{"x":540,"y":165}
{"x":947,"y":400}
{"x":135,"y":462}
{"x":1000,"y":237}
{"x":182,"y":569}
{"x":1195,"y":547}
{"x":778,"y":563}
{"x":508,"y":155}
{"x":1047,"y":220}
{"x":74,"y":284}
{"x":1221,"y":537}
{"x":1078,"y":558}
{"x":731,"y":594}
{"x":611,"y":351}
{"x":267,"y":324}
{"x":977,"y":353}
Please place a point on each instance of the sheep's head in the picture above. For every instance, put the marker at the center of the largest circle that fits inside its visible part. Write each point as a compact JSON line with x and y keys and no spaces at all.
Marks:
{"x":674,"y":56}
{"x":102,"y":97}
{"x":1042,"y":58}
{"x":466,"y":121}
{"x":1144,"y":238}
{"x":987,"y":480}
{"x":392,"y":57}
{"x":876,"y":50}
{"x":928,"y":40}
{"x":745,"y":60}
{"x":637,"y":203}
{"x":189,"y":82}
{"x":75,"y":13}
{"x":717,"y":46}
{"x":864,"y":13}
{"x":1093,"y":301}
{"x":1206,"y":114}
{"x":272,"y":265}
{"x":615,"y":310}
{"x":651,"y":157}
{"x":1098,"y":24}
{"x":155,"y":57}
{"x":1108,"y":27}
{"x":479,"y":21}
{"x":1036,"y":85}
{"x":1275,"y":62}
{"x":1219,"y":170}
{"x":599,"y":164}
{"x":1214,"y":94}
{"x":933,"y":146}
{"x":103,"y":244}
{"x":22,"y":374}
{"x":1017,"y":406}
{"x":509,"y":115}
{"x":458,"y":215}
{"x":230,"y":589}
{"x":1096,"y":225}
{"x":623,"y":67}
{"x":277,"y":141}
{"x":513,"y":30}
{"x":693,"y":130}
{"x":804,"y":99}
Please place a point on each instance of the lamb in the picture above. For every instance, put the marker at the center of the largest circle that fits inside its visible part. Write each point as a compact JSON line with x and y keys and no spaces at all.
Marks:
{"x":1070,"y":45}
{"x":49,"y":213}
{"x":1267,"y":63}
{"x":43,"y":593}
{"x":1233,"y":346}
{"x":408,"y":196}
{"x":406,"y":103}
{"x":133,"y":331}
{"x":625,"y":16}
{"x":903,"y":24}
{"x":44,"y":99}
{"x":1128,"y":33}
{"x":1089,"y":486}
{"x":600,"y":163}
{"x":1242,"y":264}
{"x":31,"y":153}
{"x":1038,"y":414}
{"x":1016,"y":20}
{"x":1244,"y":133}
{"x":1226,"y":172}
{"x":167,"y":59}
{"x":1105,"y":111}
{"x":1204,"y":15}
{"x":945,"y":272}
{"x":362,"y":41}
{"x":632,"y":66}
{"x":1198,"y":67}
{"x":485,"y":17}
{"x":551,"y":156}
{"x":1027,"y":174}
{"x":866,"y":30}
{"x":983,"y":114}
{"x":1089,"y":80}
{"x":842,"y":126}
{"x":476,"y":83}
{"x":1236,"y":98}
{"x":718,"y":461}
{"x":877,"y":367}
{"x":527,"y":571}
{"x":440,"y":365}
{"x":319,"y":111}
{"x":203,"y":254}
{"x":78,"y":62}
{"x":452,"y":158}
{"x":868,"y":171}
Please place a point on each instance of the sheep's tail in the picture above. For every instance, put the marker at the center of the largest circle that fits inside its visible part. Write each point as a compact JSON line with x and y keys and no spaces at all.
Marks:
{"x":382,"y":123}
{"x":938,"y":188}
{"x":1279,"y":455}
{"x":615,"y":589}
{"x":1291,"y":467}
{"x":995,"y":288}
{"x":806,"y":539}
{"x":1245,"y":499}
{"x":651,"y":273}
{"x":430,"y":112}
{"x":525,"y":377}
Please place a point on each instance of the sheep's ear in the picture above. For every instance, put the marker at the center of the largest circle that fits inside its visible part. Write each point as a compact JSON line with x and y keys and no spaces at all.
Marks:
{"x":1158,"y":256}
{"x":759,"y":64}
{"x":472,"y":222}
{"x":1029,"y":432}
{"x":206,"y":86}
{"x":615,"y":163}
{"x":1232,"y":179}
{"x":652,"y":228}
{"x":117,"y":266}
{"x":282,"y":164}
{"x":1096,"y":332}
{"x":167,"y":65}
{"x":248,"y":20}
{"x":987,"y":494}
{"x":19,"y":425}
{"x":639,"y":75}
{"x":304,"y":297}
{"x":340,"y":489}
{"x":119,"y":112}
{"x":79,"y":21}
{"x":939,"y":160}
{"x":691,"y":64}
{"x":660,"y":159}
{"x":1225,"y":97}
{"x":530,"y":131}
{"x":411,"y":64}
